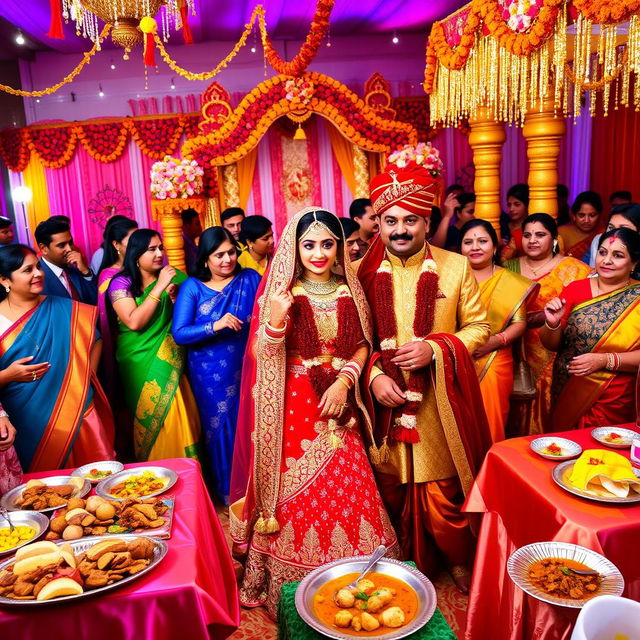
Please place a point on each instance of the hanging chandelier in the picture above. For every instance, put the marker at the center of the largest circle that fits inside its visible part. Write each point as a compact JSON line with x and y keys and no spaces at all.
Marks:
{"x":124,"y":16}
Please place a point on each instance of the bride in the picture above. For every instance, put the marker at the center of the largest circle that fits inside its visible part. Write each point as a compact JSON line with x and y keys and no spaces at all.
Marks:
{"x":311,"y":495}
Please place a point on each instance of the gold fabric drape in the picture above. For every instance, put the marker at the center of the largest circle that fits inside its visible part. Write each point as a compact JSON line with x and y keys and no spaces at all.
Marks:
{"x":344,"y":155}
{"x":38,"y":208}
{"x":246,"y":169}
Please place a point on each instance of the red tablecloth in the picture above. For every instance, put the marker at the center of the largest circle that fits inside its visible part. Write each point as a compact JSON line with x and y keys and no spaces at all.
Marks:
{"x":522,"y":504}
{"x":191,"y":594}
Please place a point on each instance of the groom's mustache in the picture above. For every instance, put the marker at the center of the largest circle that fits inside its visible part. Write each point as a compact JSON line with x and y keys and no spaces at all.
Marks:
{"x":407,"y":237}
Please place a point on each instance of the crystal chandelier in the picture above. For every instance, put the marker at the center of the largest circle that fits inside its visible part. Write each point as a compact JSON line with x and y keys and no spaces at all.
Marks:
{"x":125,"y":16}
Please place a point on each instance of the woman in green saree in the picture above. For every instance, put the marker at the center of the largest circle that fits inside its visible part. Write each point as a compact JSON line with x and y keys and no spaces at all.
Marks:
{"x":151,"y":364}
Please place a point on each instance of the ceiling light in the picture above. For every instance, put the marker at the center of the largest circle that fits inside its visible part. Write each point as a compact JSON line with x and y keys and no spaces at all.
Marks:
{"x":253,"y":49}
{"x":20,"y":39}
{"x":21,"y":194}
{"x":37,"y":99}
{"x":100,"y":92}
{"x":173,"y":84}
{"x":395,"y":39}
{"x":113,"y":66}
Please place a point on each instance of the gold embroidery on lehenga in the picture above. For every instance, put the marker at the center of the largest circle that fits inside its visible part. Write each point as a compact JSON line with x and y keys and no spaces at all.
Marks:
{"x":311,"y":553}
{"x":369,"y":539}
{"x":284,"y":545}
{"x":340,"y":546}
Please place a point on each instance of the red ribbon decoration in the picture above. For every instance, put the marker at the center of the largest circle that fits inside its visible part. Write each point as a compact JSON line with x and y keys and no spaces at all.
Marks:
{"x":149,"y":50}
{"x":186,"y":29}
{"x":55,"y":26}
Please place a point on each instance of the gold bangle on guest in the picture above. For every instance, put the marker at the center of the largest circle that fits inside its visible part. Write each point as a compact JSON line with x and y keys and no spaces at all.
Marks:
{"x":153,"y":297}
{"x":345,"y":381}
{"x":546,"y":324}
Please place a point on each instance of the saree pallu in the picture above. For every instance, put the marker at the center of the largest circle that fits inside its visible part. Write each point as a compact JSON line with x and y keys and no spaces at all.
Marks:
{"x":506,"y":296}
{"x":328,"y":505}
{"x":151,"y":367}
{"x":62,"y":418}
{"x":606,"y":324}
{"x":529,"y":418}
{"x":576,"y":244}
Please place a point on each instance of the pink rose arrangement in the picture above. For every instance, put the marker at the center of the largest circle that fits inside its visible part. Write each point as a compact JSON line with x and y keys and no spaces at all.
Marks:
{"x":298,"y":90}
{"x":423,"y":154}
{"x":519,"y":14}
{"x":176,"y":178}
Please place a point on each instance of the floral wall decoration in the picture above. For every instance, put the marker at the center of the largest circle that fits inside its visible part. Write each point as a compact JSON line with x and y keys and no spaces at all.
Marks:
{"x":108,"y":202}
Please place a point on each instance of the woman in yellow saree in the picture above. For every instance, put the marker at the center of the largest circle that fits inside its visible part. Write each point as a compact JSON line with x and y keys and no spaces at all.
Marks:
{"x":150,"y":363}
{"x":552,"y":271}
{"x":505,"y":295}
{"x":594,"y":325}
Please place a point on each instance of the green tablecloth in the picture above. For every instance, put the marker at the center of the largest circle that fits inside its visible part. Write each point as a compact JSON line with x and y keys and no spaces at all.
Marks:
{"x":292,"y":627}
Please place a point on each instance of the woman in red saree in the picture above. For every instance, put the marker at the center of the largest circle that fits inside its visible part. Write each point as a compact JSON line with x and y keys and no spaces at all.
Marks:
{"x":311,"y":497}
{"x":594,"y":325}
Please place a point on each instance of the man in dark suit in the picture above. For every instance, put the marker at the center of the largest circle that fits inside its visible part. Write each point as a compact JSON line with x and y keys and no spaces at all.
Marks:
{"x":66,"y":273}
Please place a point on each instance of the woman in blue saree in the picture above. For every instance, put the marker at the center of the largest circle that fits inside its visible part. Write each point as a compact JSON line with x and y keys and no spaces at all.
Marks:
{"x":212,"y":316}
{"x":48,"y":358}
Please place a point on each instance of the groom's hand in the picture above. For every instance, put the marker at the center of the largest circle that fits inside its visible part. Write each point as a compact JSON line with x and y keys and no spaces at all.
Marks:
{"x":413,"y":355}
{"x":387,"y":392}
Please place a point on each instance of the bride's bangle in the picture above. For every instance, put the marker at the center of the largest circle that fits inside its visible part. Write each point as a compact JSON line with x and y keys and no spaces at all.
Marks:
{"x":546,"y":324}
{"x":347,"y":382}
{"x":274,"y":335}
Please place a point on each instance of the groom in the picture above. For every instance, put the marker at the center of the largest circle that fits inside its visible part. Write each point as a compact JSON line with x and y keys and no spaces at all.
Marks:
{"x":422,"y":386}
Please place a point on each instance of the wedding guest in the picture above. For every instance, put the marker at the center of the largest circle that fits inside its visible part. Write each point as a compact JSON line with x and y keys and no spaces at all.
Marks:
{"x":231,"y":219}
{"x":594,"y":325}
{"x":352,"y":238}
{"x":511,"y":222}
{"x":257,"y":234}
{"x":312,"y":497}
{"x":580,"y":232}
{"x":6,"y":231}
{"x":191,"y":231}
{"x":541,"y":263}
{"x":150,"y":364}
{"x":457,"y":212}
{"x":361,"y":212}
{"x":65,"y":272}
{"x":48,"y":358}
{"x":623,"y":215}
{"x":211,"y":318}
{"x":98,"y":254}
{"x":620,"y":197}
{"x":428,"y":320}
{"x":506,"y":296}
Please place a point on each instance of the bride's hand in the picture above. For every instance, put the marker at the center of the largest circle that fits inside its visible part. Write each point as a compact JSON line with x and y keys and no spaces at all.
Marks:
{"x":333,"y":401}
{"x":280,"y":304}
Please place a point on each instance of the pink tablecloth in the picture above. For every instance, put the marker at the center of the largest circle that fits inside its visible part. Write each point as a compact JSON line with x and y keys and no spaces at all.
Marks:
{"x":522,"y":504}
{"x":190,"y":595}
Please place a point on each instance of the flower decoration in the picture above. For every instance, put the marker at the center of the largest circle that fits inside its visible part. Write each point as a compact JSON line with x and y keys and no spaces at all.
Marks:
{"x":519,"y":14}
{"x":108,"y":202}
{"x":424,"y":154}
{"x":299,"y":90}
{"x":175,"y":178}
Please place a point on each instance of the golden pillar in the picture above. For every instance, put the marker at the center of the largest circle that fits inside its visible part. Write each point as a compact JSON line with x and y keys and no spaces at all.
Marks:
{"x":231,"y":186}
{"x":360,"y":171}
{"x":486,"y":139}
{"x":543,"y":131}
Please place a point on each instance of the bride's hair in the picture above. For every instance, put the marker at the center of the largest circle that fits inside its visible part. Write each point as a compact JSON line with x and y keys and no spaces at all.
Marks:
{"x":326,"y":218}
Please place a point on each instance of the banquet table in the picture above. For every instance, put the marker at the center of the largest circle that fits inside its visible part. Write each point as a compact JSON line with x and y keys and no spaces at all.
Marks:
{"x":522,"y":504}
{"x":191,"y":594}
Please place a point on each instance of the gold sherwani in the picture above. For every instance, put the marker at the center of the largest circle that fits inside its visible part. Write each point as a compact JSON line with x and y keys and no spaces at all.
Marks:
{"x":459,"y":311}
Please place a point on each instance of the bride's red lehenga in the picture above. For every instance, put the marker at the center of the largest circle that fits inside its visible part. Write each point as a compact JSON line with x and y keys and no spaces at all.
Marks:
{"x":311,"y":478}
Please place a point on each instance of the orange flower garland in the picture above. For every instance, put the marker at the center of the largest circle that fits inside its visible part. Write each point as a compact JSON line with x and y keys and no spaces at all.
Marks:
{"x":317,"y":32}
{"x":607,"y":11}
{"x":53,"y":147}
{"x":96,"y":138}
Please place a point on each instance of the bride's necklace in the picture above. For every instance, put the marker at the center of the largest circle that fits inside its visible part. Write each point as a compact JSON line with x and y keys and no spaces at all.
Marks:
{"x":535,"y":271}
{"x":320,"y":288}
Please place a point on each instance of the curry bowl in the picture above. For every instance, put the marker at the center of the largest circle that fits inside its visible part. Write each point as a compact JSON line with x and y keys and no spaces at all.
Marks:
{"x":400,"y":572}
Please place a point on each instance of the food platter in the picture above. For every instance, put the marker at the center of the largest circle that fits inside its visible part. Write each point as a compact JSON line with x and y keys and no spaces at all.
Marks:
{"x":80,"y":546}
{"x":39,"y":522}
{"x":168,"y":477}
{"x":311,"y":583}
{"x":8,"y":500}
{"x":561,"y":475}
{"x":522,"y":559}
{"x":568,"y":448}
{"x":112,"y":466}
{"x":626,"y":437}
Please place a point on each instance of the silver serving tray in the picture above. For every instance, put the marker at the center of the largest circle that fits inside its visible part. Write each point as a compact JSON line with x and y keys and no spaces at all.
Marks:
{"x":569,"y":448}
{"x":310,"y":584}
{"x":104,"y":486}
{"x":520,"y":560}
{"x":9,"y":498}
{"x":600,"y":433}
{"x":106,"y":465}
{"x":80,"y":546}
{"x":559,"y":472}
{"x":33,"y":519}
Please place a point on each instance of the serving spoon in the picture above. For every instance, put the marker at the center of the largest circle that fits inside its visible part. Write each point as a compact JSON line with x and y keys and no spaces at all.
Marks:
{"x":5,"y":514}
{"x":375,"y":556}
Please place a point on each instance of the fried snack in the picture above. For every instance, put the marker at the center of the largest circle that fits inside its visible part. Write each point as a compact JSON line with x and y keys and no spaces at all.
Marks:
{"x":115,"y":545}
{"x":141,"y":549}
{"x":42,"y":496}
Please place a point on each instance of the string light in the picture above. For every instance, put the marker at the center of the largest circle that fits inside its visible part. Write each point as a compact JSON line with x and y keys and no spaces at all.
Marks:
{"x":173,"y":84}
{"x":113,"y":66}
{"x":20,"y":39}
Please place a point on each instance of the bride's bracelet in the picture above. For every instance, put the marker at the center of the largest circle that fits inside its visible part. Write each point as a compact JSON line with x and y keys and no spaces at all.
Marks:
{"x":352,"y":371}
{"x":273,"y":334}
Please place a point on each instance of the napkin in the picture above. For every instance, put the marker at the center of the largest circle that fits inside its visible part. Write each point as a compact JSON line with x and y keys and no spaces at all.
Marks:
{"x":604,"y":469}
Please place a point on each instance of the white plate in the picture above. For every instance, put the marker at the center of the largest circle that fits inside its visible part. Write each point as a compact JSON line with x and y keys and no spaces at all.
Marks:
{"x":9,"y":498}
{"x":106,"y":465}
{"x":310,"y":584}
{"x":80,"y":546}
{"x":168,"y":475}
{"x":600,"y":434}
{"x":521,"y":560}
{"x":569,"y":448}
{"x":564,"y":468}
